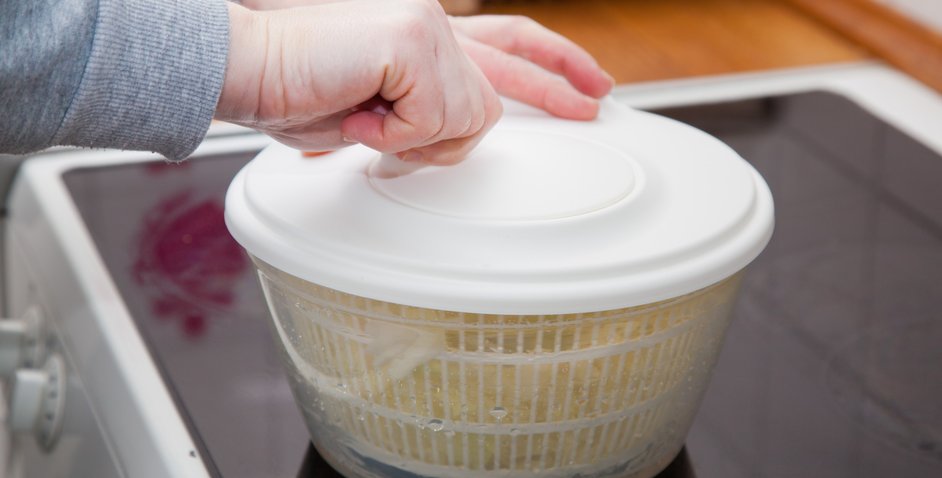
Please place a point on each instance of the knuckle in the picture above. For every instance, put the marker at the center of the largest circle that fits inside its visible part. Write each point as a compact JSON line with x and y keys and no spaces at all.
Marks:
{"x":412,"y":28}
{"x":518,"y":22}
{"x":427,"y":129}
{"x":425,"y":11}
{"x":497,"y":110}
{"x":478,"y":122}
{"x":479,"y":117}
{"x":454,"y":152}
{"x":460,"y":128}
{"x":416,"y":19}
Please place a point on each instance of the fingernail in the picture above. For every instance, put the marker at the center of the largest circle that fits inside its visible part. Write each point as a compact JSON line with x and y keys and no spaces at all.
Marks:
{"x":411,"y":157}
{"x":347,"y":139}
{"x":611,"y":79}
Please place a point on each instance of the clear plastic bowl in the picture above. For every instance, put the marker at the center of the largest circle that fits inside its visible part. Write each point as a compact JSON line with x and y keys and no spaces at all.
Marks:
{"x":394,"y":391}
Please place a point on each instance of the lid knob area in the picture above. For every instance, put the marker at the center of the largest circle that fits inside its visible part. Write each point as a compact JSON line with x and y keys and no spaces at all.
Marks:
{"x":514,"y":175}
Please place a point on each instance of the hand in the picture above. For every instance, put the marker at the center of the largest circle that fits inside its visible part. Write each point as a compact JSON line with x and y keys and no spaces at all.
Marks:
{"x":388,"y":74}
{"x":523,"y":60}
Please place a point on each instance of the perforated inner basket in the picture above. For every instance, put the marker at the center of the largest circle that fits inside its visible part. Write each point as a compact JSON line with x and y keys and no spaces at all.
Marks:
{"x":438,"y":393}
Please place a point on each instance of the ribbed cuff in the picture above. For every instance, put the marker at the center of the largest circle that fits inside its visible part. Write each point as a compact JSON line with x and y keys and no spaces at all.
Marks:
{"x":153,"y":77}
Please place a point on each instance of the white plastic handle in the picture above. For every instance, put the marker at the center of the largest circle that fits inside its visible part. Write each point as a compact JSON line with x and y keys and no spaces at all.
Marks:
{"x":19,"y":341}
{"x":26,"y":398}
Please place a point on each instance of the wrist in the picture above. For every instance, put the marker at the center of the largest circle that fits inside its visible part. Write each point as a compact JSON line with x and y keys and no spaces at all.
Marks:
{"x":248,"y":43}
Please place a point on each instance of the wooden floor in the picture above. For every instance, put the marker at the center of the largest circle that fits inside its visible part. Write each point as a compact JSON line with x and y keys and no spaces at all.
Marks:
{"x":642,"y":40}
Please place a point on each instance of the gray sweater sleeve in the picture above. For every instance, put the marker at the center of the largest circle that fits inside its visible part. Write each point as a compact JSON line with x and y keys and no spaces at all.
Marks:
{"x":128,"y":74}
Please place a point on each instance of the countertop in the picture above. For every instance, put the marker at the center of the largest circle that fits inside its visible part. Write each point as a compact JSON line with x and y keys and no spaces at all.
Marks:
{"x":646,"y":40}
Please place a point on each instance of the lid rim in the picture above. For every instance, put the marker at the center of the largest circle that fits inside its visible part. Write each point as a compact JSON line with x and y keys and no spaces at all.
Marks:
{"x":340,"y":240}
{"x":529,"y":298}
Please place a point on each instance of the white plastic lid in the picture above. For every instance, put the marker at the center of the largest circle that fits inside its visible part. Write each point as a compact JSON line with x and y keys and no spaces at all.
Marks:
{"x":546,"y":216}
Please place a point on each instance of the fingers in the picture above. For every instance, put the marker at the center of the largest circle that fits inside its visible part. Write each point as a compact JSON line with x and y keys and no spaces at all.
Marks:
{"x":414,"y":120}
{"x":454,"y":150}
{"x":425,"y":124}
{"x":443,"y":153}
{"x":457,"y":133}
{"x":528,"y":39}
{"x":403,"y":85}
{"x":521,"y":80}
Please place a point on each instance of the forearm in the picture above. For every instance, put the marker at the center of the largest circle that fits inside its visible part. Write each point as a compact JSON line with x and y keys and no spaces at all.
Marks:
{"x":278,"y":4}
{"x":248,"y":50}
{"x":44,"y":47}
{"x":453,"y":7}
{"x":150,"y":74}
